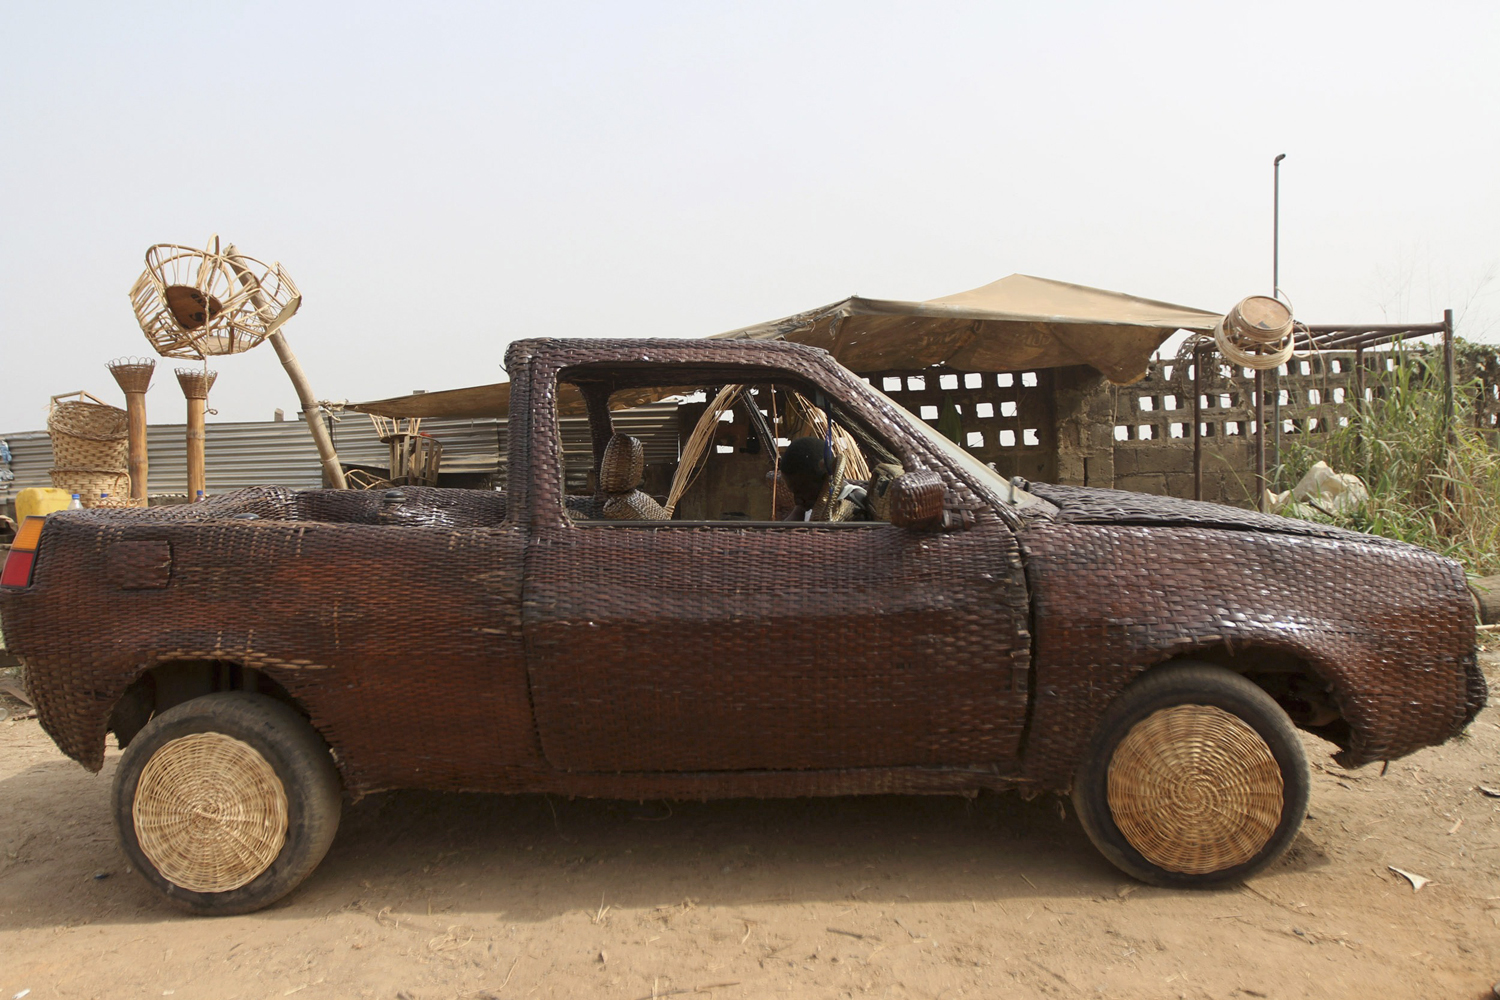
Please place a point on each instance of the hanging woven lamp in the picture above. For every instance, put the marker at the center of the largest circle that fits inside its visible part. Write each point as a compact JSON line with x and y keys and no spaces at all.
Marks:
{"x":197,"y":304}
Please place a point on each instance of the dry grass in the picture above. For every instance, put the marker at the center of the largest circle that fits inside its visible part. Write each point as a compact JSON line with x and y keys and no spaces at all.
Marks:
{"x":1429,"y":484}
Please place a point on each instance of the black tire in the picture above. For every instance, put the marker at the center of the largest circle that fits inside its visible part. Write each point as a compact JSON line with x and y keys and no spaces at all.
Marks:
{"x":1201,"y":790}
{"x":304,"y":817}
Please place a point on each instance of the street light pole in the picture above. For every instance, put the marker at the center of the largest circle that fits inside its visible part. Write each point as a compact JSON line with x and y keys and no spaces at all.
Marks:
{"x":1276,"y":226}
{"x":1275,"y":293}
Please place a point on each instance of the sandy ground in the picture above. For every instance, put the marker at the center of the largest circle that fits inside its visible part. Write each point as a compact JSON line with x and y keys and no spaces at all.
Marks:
{"x":427,"y":896}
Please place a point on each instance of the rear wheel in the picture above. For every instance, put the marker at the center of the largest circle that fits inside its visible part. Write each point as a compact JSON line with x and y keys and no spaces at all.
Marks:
{"x":225,"y":803}
{"x":1194,"y":777}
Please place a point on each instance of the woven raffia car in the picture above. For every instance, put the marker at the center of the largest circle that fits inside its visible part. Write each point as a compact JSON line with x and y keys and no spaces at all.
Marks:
{"x":264,"y":655}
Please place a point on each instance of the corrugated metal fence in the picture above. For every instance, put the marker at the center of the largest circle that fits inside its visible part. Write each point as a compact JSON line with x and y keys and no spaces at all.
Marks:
{"x":264,"y":453}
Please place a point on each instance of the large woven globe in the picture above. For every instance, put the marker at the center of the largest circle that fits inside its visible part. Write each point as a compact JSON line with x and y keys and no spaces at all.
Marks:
{"x":196,"y":304}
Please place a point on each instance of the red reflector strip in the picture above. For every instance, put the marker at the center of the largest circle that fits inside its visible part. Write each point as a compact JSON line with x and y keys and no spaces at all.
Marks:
{"x":17,"y":571}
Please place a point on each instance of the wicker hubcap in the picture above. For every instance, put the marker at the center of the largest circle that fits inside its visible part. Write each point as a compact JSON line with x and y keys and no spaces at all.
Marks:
{"x":1195,"y":789}
{"x":210,"y":812}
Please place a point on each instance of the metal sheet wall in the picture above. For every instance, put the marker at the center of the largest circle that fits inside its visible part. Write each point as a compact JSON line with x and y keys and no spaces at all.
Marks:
{"x":262,"y":453}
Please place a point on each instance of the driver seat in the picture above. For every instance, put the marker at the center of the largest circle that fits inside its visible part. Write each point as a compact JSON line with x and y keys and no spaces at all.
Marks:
{"x":621,"y":472}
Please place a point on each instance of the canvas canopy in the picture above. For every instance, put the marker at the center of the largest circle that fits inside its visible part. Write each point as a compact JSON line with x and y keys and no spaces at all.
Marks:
{"x":1015,"y":323}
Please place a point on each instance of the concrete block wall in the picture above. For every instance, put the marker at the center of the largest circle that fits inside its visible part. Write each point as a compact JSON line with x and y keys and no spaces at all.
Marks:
{"x":1152,"y":419}
{"x":1009,"y":419}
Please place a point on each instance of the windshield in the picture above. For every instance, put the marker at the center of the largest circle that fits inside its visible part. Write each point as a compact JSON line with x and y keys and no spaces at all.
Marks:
{"x":981,"y":473}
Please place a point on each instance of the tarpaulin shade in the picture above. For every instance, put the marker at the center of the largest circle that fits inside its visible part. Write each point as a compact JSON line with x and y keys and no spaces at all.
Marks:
{"x":1015,"y":323}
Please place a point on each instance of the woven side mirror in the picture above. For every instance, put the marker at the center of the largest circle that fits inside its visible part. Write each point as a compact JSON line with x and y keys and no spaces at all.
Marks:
{"x":917,"y":501}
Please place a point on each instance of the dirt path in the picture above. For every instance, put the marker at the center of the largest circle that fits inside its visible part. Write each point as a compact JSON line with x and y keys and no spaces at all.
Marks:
{"x":427,"y":896}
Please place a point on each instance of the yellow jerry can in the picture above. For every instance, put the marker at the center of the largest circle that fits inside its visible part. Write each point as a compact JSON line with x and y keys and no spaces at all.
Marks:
{"x":40,"y":501}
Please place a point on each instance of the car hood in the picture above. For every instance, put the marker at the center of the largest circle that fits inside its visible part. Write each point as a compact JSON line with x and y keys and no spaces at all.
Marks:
{"x":1091,"y":505}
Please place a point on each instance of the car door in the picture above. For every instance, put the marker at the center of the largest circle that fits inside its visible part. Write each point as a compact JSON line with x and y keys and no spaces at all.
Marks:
{"x":706,"y":646}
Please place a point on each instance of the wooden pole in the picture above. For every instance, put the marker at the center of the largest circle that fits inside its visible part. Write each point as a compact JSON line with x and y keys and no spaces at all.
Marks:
{"x":195,"y":385}
{"x":134,"y":378}
{"x":1198,"y":423}
{"x":135,"y":416}
{"x":197,"y":455}
{"x":1276,"y":418}
{"x":1448,"y":365}
{"x":333,"y":472}
{"x":1260,"y":439}
{"x":1359,"y":410}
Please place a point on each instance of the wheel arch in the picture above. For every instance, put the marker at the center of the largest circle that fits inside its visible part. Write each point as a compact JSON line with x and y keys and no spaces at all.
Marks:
{"x":1307,"y":689}
{"x":171,"y":681}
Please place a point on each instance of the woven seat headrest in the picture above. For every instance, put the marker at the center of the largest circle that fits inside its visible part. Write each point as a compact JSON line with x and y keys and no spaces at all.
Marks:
{"x":624,"y":465}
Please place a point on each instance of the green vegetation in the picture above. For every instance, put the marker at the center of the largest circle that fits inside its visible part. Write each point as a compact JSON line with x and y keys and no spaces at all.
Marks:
{"x":1429,"y":484}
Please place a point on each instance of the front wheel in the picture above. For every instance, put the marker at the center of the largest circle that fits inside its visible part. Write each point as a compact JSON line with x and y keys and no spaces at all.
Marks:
{"x":1194,"y":777}
{"x":225,"y":803}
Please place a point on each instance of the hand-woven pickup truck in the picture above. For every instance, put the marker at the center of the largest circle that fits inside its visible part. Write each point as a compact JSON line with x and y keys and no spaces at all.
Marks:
{"x":262,"y":654}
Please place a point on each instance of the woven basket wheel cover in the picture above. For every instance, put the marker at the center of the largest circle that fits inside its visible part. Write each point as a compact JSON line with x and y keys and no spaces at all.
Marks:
{"x":210,"y":812}
{"x":190,"y":307}
{"x":623,"y":465}
{"x":1194,"y":789}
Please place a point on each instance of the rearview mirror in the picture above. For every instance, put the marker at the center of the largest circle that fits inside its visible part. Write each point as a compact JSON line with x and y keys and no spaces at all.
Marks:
{"x":917,"y":500}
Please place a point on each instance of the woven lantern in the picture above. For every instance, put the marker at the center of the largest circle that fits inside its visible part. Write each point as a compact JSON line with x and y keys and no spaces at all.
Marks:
{"x":197,"y":304}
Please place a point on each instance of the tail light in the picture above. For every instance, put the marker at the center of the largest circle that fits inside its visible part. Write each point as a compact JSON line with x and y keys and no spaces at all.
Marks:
{"x":22,"y":558}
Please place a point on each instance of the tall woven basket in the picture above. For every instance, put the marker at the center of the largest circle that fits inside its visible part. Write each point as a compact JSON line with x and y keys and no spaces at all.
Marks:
{"x":86,"y":432}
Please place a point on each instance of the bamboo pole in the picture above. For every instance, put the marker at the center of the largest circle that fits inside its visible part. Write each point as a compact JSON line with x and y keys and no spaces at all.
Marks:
{"x":197,"y":445}
{"x":134,"y":378}
{"x":1260,"y":439}
{"x":137,"y":463}
{"x":1448,"y":373}
{"x":1359,"y":411}
{"x":333,"y":472}
{"x":1198,"y":354}
{"x":195,"y":385}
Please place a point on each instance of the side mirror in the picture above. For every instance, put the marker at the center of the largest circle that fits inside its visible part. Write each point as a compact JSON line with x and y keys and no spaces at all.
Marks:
{"x":917,"y":501}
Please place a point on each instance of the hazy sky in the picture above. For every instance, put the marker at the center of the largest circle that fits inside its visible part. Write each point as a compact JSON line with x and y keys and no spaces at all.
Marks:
{"x":443,"y":178}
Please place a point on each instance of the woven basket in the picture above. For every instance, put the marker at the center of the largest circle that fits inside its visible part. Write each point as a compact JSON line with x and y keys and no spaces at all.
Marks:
{"x":81,"y":453}
{"x":89,"y":483}
{"x":119,"y":501}
{"x":86,"y":433}
{"x":1195,"y":789}
{"x":210,"y":812}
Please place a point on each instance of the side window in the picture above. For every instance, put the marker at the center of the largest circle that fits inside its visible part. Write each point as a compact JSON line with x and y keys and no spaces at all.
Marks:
{"x":754,"y":453}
